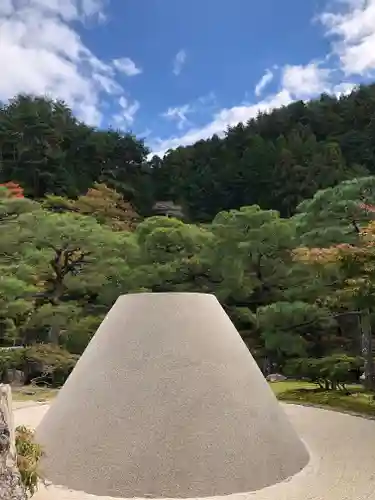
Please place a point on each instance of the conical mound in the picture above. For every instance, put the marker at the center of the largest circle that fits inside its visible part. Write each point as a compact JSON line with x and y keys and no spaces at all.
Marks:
{"x":167,"y":401}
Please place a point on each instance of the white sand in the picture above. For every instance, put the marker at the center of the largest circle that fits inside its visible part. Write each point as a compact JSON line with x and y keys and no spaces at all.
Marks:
{"x":342,"y":465}
{"x":166,"y":397}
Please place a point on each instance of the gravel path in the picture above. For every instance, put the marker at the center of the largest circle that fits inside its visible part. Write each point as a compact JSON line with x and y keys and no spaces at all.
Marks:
{"x":342,"y":465}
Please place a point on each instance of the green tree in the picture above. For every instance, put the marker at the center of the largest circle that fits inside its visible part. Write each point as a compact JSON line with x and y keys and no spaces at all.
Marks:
{"x":173,"y":255}
{"x":45,"y":149}
{"x":108,"y":207}
{"x":70,"y":260}
{"x":295,"y":329}
{"x":275,"y":160}
{"x":336,"y":215}
{"x":250,"y":259}
{"x":252,"y":248}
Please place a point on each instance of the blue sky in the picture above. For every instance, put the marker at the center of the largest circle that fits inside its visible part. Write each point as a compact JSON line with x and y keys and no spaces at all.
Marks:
{"x":176,"y":71}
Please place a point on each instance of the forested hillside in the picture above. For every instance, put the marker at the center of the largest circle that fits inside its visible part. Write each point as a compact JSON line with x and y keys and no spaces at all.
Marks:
{"x":292,"y":263}
{"x":46,"y":150}
{"x":275,"y":160}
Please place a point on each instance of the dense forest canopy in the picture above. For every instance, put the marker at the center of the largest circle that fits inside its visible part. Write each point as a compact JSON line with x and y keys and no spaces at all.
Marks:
{"x":275,"y":160}
{"x":46,"y":150}
{"x":277,"y":222}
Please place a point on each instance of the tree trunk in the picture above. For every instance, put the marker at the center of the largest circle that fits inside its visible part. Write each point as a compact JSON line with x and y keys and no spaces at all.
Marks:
{"x":54,"y":334}
{"x":367,"y":346}
{"x":266,"y":366}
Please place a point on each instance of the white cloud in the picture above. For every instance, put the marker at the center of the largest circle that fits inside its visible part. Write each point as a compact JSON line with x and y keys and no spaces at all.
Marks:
{"x":127,"y":66}
{"x":68,"y":10}
{"x":305,"y":81}
{"x":41,"y":53}
{"x":125,"y":117}
{"x":145,"y":133}
{"x":6,"y":7}
{"x":263,"y":82}
{"x":179,"y":62}
{"x":221,"y":120}
{"x":352,"y":28}
{"x":207,"y":99}
{"x":350,"y":25}
{"x":342,"y":89}
{"x":297,"y":82}
{"x":179,"y":114}
{"x":93,"y":7}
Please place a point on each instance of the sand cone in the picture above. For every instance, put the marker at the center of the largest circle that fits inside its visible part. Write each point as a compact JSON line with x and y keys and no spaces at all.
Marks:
{"x":167,"y":401}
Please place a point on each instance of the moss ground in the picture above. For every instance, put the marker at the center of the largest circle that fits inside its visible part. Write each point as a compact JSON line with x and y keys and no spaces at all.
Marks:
{"x":356,"y":400}
{"x":32,"y":393}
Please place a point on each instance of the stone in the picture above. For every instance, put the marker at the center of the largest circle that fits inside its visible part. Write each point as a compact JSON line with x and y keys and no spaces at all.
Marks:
{"x":29,"y":392}
{"x":275,"y":377}
{"x":16,"y":378}
{"x":167,"y":402}
{"x":11,"y":487}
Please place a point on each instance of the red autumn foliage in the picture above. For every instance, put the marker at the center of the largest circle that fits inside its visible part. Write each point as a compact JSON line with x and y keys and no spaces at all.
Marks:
{"x":368,"y":208}
{"x":16,"y":191}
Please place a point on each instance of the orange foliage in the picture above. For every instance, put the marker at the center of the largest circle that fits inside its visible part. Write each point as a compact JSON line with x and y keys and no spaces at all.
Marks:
{"x":108,"y":207}
{"x":316,"y":255}
{"x":15,"y":190}
{"x":334,"y":253}
{"x":368,"y":234}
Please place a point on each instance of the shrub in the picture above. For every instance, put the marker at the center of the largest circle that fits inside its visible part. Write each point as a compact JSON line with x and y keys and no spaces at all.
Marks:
{"x":80,"y":333}
{"x":48,"y":364}
{"x":332,"y":372}
{"x":14,"y":189}
{"x":29,"y":454}
{"x":41,"y":364}
{"x":10,"y":359}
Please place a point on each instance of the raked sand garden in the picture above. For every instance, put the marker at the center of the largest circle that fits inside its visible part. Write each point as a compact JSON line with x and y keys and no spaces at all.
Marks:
{"x":341,"y":466}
